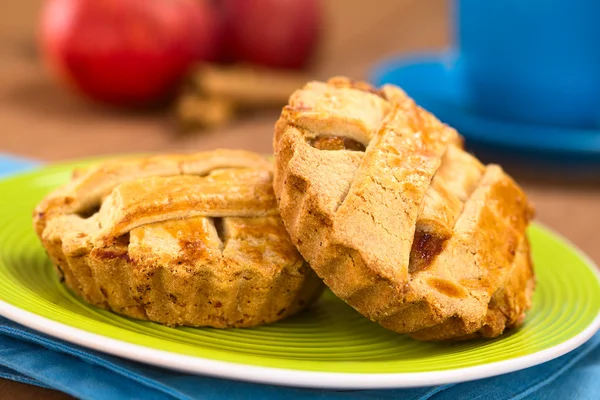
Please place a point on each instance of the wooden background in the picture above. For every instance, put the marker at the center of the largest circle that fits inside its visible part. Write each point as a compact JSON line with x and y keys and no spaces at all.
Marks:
{"x":41,"y":121}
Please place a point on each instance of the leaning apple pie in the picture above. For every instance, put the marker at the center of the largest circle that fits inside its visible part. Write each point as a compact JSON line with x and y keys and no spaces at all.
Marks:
{"x":399,"y":221}
{"x":178,"y":239}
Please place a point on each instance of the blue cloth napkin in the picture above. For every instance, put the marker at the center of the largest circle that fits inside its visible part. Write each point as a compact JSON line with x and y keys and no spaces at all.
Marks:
{"x":37,"y":359}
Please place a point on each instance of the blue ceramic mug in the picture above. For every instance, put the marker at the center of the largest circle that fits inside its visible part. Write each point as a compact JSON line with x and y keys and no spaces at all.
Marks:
{"x":535,"y":61}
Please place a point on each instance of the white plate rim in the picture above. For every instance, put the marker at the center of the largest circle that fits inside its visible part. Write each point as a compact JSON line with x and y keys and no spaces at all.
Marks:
{"x":300,"y":378}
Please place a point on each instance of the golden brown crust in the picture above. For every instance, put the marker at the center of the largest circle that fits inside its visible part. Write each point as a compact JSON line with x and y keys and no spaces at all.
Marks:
{"x":177,"y":239}
{"x":413,"y":232}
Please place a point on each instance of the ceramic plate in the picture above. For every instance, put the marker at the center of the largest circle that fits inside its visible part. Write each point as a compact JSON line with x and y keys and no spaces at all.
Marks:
{"x":328,"y":346}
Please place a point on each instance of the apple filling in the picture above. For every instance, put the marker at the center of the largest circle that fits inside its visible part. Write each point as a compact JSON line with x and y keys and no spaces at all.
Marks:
{"x":336,"y":143}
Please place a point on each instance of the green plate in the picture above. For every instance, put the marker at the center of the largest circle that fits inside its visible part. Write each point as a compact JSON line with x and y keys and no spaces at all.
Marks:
{"x":330,"y":345}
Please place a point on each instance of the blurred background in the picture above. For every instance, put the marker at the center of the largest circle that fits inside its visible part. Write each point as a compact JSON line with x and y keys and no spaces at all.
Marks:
{"x":80,"y":78}
{"x":41,"y":117}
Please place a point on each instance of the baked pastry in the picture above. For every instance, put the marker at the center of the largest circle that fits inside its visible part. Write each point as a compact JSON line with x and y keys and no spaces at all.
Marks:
{"x":177,"y":239}
{"x":399,"y":221}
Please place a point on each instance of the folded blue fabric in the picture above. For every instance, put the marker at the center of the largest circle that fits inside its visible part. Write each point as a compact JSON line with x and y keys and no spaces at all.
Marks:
{"x":10,"y":164}
{"x":34,"y":358}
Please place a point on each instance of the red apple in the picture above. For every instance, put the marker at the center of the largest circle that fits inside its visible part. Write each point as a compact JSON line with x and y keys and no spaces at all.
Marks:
{"x":273,"y":33}
{"x":127,"y":52}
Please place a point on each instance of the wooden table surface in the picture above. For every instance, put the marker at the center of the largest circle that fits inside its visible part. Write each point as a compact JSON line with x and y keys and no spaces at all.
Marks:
{"x":41,"y":121}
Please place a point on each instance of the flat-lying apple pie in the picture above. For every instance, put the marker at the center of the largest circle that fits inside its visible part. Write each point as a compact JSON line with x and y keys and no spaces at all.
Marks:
{"x":399,"y":221}
{"x":178,"y":239}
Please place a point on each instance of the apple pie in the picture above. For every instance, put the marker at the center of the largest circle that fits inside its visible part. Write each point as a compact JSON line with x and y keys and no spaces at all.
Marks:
{"x":177,"y":239}
{"x":397,"y":219}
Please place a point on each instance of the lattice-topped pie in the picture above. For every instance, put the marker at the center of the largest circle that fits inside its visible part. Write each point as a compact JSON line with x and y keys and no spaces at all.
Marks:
{"x":178,"y":239}
{"x":399,"y":221}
